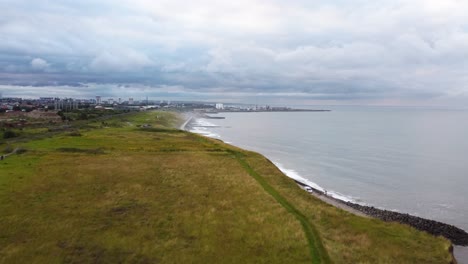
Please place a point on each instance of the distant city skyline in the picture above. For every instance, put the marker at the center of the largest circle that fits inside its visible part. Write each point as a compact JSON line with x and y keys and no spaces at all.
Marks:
{"x":388,"y":52}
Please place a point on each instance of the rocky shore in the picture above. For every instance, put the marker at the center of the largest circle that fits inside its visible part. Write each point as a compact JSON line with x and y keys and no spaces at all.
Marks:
{"x":456,"y":235}
{"x":453,"y":233}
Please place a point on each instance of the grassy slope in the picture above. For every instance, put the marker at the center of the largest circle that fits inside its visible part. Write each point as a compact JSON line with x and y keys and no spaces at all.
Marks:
{"x":162,"y":195}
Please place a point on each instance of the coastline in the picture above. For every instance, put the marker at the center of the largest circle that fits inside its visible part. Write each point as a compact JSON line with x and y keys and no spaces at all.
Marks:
{"x":457,"y":236}
{"x":209,"y":202}
{"x":182,"y":127}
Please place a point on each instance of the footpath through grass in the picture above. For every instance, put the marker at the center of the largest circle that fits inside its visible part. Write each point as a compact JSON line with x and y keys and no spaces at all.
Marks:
{"x":121,"y":193}
{"x":317,"y":251}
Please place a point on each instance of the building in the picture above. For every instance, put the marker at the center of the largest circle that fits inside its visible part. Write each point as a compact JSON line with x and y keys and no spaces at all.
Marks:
{"x":67,"y":104}
{"x":46,"y":99}
{"x":219,"y":106}
{"x":111,"y":101}
{"x":130,"y":101}
{"x":98,"y":100}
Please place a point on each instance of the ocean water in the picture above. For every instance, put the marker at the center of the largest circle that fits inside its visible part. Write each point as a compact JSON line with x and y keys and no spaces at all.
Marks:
{"x":409,"y":160}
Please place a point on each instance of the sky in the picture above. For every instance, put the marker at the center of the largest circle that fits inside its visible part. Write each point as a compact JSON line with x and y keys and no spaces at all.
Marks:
{"x":296,"y":52}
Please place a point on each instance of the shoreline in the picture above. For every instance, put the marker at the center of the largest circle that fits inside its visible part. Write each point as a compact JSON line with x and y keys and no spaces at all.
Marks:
{"x":182,"y":127}
{"x":456,"y":235}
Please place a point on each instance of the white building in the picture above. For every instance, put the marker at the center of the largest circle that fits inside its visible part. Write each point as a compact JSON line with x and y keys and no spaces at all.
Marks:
{"x":130,"y":101}
{"x":219,"y":106}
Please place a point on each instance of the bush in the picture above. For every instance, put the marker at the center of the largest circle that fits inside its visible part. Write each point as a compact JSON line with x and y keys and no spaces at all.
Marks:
{"x":78,"y":150}
{"x":8,"y":149}
{"x":20,"y":151}
{"x":83,"y":116}
{"x":75,"y":134}
{"x":9,"y":134}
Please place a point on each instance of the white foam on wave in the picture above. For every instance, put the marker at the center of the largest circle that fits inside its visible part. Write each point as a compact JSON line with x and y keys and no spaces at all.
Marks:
{"x":295,"y":176}
{"x":201,"y":127}
{"x":203,"y":123}
{"x":341,"y":197}
{"x":204,"y":132}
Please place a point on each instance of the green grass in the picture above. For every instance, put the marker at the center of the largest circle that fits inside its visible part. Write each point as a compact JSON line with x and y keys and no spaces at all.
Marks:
{"x":120,"y":193}
{"x":318,"y":253}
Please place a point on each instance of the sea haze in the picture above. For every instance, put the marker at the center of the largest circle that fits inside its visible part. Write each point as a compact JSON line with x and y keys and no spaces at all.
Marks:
{"x":409,"y":160}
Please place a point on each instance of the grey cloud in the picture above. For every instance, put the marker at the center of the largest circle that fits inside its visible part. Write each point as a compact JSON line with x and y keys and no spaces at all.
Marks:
{"x":123,"y":61}
{"x":329,"y":50}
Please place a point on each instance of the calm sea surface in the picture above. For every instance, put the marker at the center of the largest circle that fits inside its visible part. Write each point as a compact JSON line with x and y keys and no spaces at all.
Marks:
{"x":410,"y":160}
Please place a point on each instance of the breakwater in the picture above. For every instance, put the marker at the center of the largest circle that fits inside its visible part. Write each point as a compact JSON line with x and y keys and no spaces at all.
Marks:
{"x":453,"y":233}
{"x":456,"y":235}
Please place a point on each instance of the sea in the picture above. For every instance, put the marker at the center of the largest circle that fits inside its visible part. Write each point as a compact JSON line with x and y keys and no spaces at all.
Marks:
{"x":410,"y":160}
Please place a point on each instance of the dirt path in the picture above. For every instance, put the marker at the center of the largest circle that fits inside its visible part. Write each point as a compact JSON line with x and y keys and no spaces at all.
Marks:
{"x":182,"y":127}
{"x":339,"y":204}
{"x":317,"y":250}
{"x":2,"y":157}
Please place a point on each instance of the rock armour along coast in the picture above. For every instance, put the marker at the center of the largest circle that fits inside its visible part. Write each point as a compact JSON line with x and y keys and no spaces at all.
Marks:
{"x":456,"y":235}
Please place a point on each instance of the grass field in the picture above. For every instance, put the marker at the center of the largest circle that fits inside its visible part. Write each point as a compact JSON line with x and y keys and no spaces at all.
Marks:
{"x":120,"y":193}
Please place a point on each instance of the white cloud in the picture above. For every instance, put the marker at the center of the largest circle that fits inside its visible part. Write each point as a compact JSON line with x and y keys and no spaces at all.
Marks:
{"x":39,"y":64}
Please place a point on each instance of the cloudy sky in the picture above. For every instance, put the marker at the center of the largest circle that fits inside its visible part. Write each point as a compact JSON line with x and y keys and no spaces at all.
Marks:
{"x":388,"y":52}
